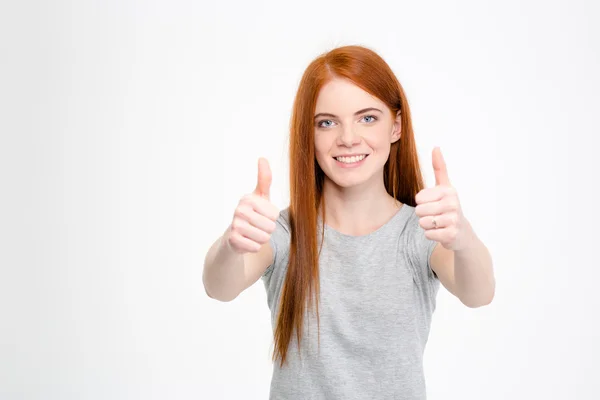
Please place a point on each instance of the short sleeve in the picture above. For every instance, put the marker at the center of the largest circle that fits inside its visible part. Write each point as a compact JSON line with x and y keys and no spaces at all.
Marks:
{"x":279,"y":241}
{"x":420,"y":249}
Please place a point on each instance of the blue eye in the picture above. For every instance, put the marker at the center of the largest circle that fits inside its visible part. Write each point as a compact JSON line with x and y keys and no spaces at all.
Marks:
{"x":374,"y":118}
{"x":320,"y":124}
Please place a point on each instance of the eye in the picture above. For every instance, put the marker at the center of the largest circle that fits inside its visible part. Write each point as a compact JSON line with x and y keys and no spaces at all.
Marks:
{"x":320,"y":124}
{"x":372,"y":118}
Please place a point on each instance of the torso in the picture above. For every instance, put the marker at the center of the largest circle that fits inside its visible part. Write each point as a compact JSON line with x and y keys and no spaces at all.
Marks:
{"x":376,"y":303}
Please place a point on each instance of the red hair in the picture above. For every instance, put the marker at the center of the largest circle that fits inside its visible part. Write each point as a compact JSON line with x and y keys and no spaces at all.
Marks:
{"x":402,"y":175}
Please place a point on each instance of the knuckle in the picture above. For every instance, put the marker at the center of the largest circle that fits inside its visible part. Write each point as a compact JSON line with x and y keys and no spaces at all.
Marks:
{"x":234,"y":242}
{"x":249,"y":200}
{"x":241,"y":212}
{"x":245,"y":199}
{"x":236,"y":224}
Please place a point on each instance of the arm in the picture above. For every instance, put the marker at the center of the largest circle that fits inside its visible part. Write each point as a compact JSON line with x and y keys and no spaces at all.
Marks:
{"x":240,"y":257}
{"x":227,"y":273}
{"x":460,"y":260}
{"x":466,"y":273}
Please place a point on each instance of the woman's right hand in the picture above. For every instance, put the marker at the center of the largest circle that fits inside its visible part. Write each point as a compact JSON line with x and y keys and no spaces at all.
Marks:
{"x":254,"y":217}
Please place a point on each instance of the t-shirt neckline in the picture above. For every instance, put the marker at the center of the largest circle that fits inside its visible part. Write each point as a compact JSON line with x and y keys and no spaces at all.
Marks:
{"x":397,"y":216}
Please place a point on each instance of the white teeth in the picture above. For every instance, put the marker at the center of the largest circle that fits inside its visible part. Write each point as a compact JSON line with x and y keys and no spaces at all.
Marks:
{"x":350,"y":160}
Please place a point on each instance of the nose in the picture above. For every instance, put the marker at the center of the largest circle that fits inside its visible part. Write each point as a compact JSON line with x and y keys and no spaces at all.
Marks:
{"x":348,"y":137}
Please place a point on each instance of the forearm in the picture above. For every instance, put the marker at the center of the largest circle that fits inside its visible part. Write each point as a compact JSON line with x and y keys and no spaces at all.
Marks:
{"x":222,"y":267}
{"x":474,"y":274}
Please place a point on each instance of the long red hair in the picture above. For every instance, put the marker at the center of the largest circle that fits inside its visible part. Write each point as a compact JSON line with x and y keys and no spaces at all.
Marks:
{"x":402,"y":174}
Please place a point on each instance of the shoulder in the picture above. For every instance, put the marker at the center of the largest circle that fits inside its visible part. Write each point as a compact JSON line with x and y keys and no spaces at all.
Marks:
{"x":283,"y":221}
{"x":411,"y":222}
{"x":419,"y":246}
{"x":281,"y":237}
{"x":280,"y":241}
{"x":283,"y":226}
{"x":414,"y":228}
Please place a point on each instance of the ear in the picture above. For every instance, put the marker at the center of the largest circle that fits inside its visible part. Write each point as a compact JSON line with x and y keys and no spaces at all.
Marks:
{"x":397,"y":128}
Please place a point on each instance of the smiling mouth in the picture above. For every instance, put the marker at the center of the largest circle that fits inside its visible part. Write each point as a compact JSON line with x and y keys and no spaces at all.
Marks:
{"x":351,"y":159}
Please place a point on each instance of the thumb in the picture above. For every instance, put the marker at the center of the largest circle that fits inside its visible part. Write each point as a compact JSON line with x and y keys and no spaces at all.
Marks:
{"x":439,"y":168}
{"x":263,"y":185}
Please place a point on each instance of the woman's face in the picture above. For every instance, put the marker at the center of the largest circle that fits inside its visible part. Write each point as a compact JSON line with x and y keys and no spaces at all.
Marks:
{"x":353,"y":134}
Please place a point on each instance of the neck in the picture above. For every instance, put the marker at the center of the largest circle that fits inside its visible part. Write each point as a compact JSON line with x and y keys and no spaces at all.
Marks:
{"x":358,"y":210}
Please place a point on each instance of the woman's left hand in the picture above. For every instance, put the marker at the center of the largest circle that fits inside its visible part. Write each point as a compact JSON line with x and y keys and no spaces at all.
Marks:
{"x":439,"y":210}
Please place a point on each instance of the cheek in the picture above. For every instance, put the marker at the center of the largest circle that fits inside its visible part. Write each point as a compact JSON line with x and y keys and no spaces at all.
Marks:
{"x":378,"y":136}
{"x":321,"y":153}
{"x":322,"y":146}
{"x":380,"y":143}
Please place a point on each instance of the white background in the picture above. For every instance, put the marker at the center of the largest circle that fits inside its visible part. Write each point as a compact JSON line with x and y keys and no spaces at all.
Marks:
{"x":129,"y":130}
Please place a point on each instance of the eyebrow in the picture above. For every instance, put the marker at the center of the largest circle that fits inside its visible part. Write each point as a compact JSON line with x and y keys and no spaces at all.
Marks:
{"x":356,"y":113}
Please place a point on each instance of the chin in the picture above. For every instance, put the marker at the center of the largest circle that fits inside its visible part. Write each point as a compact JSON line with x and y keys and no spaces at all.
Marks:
{"x":352,"y":177}
{"x":347,"y":182}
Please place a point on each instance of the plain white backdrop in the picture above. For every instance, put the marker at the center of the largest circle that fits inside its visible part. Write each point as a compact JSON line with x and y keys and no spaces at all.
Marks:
{"x":129,"y":131}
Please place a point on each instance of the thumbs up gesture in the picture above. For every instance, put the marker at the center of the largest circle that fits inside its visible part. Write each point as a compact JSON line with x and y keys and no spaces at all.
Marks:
{"x":439,"y":210}
{"x":254,"y":217}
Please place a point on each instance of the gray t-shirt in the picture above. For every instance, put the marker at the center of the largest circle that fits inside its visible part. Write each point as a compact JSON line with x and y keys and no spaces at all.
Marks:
{"x":377,"y":298}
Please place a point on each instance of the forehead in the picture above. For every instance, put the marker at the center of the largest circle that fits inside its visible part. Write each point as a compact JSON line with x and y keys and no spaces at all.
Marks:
{"x":341,"y":97}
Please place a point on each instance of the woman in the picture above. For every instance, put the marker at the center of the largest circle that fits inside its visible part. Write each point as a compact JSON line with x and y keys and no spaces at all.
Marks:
{"x":352,"y":267}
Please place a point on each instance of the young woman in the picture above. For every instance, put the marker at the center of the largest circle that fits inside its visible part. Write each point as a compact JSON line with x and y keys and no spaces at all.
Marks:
{"x":353,"y":265}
